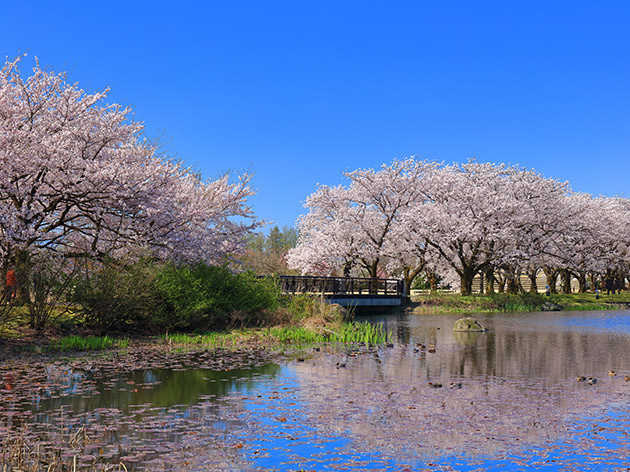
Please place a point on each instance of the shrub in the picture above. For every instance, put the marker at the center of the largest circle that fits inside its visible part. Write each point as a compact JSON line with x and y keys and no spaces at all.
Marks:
{"x":119,"y":297}
{"x":46,"y":285}
{"x":8,"y":311}
{"x":200,"y":297}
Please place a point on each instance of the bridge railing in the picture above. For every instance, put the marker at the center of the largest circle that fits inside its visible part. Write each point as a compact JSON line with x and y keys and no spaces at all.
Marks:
{"x":341,"y":285}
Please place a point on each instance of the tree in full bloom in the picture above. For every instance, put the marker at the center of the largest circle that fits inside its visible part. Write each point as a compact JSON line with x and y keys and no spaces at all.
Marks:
{"x":78,"y":179}
{"x":357,"y":225}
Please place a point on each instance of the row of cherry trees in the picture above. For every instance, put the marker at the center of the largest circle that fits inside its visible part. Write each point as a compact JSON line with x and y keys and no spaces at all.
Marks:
{"x":79,"y":181}
{"x":455,"y":222}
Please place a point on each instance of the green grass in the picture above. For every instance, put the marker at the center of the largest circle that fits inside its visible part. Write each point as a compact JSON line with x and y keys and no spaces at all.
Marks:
{"x":507,"y":303}
{"x":293,"y":335}
{"x":587,"y":301}
{"x":215,"y":340}
{"x":346,"y":333}
{"x":89,"y":343}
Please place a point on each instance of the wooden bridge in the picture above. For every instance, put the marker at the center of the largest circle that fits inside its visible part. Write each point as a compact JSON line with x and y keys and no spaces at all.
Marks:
{"x":348,"y":291}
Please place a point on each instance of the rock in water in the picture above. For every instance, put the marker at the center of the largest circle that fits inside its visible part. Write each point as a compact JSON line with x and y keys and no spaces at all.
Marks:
{"x":468,"y":324}
{"x":548,"y":306}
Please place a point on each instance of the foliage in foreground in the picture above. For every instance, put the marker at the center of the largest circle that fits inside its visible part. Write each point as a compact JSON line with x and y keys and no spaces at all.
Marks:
{"x":120,"y":297}
{"x":149,"y":297}
{"x":202,"y":297}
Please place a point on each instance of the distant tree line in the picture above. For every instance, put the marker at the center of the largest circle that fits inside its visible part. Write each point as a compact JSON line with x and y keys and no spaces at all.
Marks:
{"x":266,"y":254}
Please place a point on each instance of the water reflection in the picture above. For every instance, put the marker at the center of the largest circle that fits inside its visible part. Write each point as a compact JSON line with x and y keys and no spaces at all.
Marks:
{"x":158,"y":387}
{"x":149,"y":418}
{"x":551,"y":346}
{"x":507,"y":396}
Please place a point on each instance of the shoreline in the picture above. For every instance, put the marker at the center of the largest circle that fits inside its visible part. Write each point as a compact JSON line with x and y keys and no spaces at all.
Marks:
{"x":442,"y":304}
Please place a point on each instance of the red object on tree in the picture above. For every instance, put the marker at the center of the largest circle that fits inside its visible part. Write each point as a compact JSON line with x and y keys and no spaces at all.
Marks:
{"x":11,"y":279}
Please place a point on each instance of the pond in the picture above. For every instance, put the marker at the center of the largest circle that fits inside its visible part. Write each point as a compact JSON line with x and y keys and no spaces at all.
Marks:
{"x":436,"y":399}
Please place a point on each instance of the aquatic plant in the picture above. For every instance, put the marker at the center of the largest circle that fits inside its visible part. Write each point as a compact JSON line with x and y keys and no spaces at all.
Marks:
{"x":21,"y":450}
{"x":347,"y":333}
{"x":89,"y":343}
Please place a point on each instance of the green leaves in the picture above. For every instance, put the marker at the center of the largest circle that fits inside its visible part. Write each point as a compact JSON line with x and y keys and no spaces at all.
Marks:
{"x":200,"y":296}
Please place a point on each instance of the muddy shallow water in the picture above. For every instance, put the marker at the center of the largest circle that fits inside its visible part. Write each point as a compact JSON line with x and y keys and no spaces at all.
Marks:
{"x":509,"y":400}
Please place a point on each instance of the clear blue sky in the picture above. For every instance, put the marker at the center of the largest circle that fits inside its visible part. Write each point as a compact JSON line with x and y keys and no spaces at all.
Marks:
{"x":299,"y":91}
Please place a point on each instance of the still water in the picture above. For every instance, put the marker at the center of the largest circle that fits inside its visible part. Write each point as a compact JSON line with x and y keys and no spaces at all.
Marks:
{"x":509,"y":399}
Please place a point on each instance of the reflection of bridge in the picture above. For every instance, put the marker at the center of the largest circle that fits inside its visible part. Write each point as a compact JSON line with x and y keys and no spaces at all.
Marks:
{"x":347,"y":291}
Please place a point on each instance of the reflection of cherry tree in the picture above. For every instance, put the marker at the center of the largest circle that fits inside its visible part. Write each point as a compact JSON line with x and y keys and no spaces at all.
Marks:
{"x":514,"y":391}
{"x":77,"y":178}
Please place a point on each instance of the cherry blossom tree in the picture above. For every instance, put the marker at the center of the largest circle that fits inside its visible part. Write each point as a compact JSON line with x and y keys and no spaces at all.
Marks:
{"x":465,"y":218}
{"x":593,"y":239}
{"x":358,"y":224}
{"x":78,"y":178}
{"x":537,"y":216}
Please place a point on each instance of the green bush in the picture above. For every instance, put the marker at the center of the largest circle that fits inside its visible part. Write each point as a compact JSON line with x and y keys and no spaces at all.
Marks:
{"x":302,"y":306}
{"x":119,"y":297}
{"x":46,"y":285}
{"x":153,"y":297}
{"x":201,"y":297}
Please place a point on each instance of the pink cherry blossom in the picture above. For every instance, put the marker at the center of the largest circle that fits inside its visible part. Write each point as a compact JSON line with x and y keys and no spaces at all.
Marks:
{"x":77,"y":177}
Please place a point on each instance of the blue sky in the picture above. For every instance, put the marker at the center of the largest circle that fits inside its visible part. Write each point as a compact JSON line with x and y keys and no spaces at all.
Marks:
{"x":300,"y":91}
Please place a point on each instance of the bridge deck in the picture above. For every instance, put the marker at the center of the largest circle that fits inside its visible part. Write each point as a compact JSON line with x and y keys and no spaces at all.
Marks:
{"x":347,"y":291}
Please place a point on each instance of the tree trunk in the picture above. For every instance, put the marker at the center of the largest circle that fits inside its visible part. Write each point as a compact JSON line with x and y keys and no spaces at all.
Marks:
{"x":581,"y":282}
{"x":433,"y":279}
{"x":552,"y":279}
{"x":466,"y":278}
{"x":489,"y":281}
{"x":501,"y":280}
{"x":566,"y":281}
{"x":512,"y":282}
{"x":532,"y":280}
{"x":594,"y":282}
{"x":409,"y":275}
{"x":22,"y":270}
{"x":372,"y":269}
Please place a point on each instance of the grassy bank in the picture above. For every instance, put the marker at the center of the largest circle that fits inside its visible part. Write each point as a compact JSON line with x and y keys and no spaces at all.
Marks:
{"x":299,"y":321}
{"x":504,"y":303}
{"x":86,"y":343}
